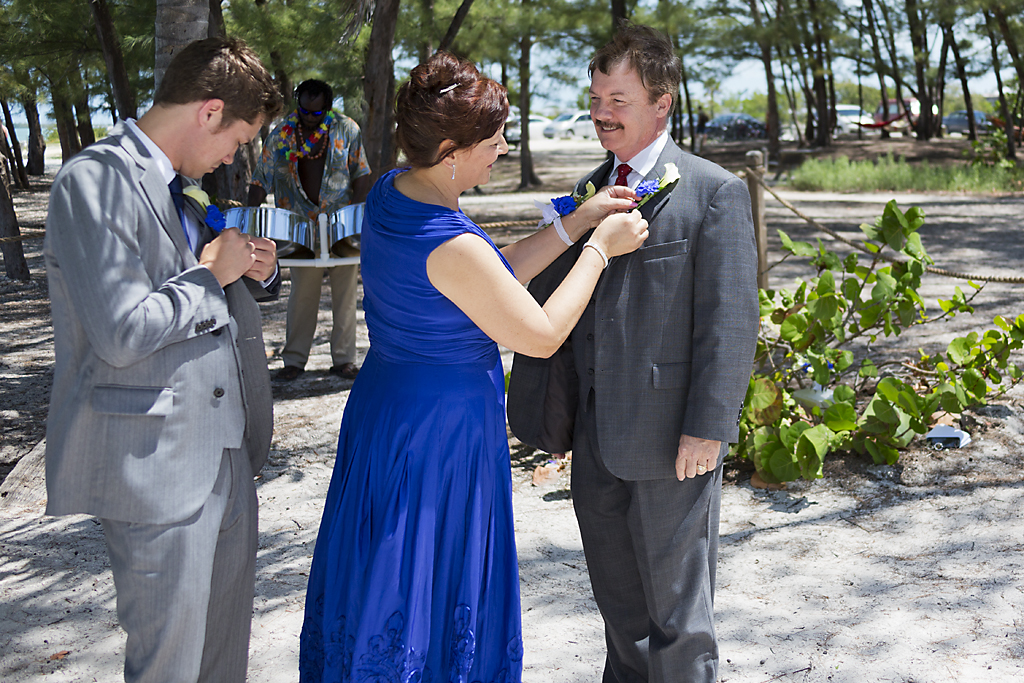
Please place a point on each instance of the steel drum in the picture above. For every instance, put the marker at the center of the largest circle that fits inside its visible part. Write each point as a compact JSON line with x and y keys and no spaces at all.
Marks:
{"x":343,"y":229}
{"x":292,"y":233}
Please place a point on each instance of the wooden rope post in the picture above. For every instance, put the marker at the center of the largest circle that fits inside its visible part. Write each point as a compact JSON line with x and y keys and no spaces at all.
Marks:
{"x":756,"y":163}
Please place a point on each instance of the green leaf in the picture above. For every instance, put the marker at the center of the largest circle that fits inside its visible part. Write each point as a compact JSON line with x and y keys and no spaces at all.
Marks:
{"x":765,"y":403}
{"x":844,"y":394}
{"x":884,"y":289}
{"x":867,"y":368}
{"x":840,"y":417}
{"x":959,"y":351}
{"x":824,"y":308}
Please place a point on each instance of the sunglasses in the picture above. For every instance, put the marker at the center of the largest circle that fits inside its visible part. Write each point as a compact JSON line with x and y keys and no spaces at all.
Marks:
{"x":307,"y":112}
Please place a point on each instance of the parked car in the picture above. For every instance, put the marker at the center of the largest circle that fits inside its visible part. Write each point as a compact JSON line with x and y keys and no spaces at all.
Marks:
{"x":577,"y":124}
{"x":736,"y":127}
{"x":850,"y":117}
{"x":957,"y":122}
{"x":890,"y":111}
{"x":513,"y":132}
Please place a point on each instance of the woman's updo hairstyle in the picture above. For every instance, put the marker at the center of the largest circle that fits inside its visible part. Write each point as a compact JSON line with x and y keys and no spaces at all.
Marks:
{"x":446,"y":98}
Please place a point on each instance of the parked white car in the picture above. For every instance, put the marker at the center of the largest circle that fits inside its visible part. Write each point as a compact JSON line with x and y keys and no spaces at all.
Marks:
{"x":848,"y":116}
{"x":576,"y":124}
{"x":513,"y":132}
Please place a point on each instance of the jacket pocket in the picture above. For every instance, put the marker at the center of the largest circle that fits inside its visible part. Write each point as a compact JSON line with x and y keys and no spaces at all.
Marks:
{"x":670,"y":375}
{"x":666,"y":250}
{"x":116,"y":399}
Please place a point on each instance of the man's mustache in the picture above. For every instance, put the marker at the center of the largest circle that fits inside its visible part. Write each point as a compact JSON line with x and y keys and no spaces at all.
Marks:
{"x":606,"y":124}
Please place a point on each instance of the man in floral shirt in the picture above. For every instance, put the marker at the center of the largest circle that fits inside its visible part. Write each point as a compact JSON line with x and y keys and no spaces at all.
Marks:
{"x":313,"y":163}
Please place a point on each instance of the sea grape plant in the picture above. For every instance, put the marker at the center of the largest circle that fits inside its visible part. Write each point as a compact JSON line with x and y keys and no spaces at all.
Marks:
{"x":820,"y":385}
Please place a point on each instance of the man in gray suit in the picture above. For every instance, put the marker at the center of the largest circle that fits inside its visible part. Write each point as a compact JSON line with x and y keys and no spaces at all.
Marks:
{"x":161,"y":412}
{"x":648,"y":389}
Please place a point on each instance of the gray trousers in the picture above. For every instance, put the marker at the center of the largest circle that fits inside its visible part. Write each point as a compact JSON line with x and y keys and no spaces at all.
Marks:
{"x":304,"y":306}
{"x":185,"y":590}
{"x":651,"y":549}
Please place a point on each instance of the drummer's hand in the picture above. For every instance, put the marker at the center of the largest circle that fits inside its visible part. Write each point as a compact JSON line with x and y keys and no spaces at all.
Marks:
{"x":266,"y":259}
{"x":229,"y":256}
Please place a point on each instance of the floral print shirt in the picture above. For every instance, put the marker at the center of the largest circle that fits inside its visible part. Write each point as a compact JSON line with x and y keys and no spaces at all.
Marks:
{"x":346,"y":160}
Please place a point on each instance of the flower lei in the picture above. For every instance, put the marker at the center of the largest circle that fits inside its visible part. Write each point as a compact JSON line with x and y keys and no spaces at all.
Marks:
{"x":214,"y":216}
{"x":290,"y":129}
{"x":563,"y":206}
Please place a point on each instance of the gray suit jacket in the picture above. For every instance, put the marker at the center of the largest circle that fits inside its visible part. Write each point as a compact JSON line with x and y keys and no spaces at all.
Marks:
{"x":158,"y":369}
{"x":668,"y":339}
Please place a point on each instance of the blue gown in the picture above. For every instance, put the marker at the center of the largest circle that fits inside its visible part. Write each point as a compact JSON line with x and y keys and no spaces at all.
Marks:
{"x":414,"y":575}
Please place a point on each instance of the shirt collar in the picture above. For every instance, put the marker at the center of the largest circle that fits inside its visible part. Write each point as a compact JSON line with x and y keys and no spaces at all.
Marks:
{"x":163,"y":163}
{"x":644,"y":161}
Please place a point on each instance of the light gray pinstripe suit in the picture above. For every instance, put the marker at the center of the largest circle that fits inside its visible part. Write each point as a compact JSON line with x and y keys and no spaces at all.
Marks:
{"x":663,"y":349}
{"x":160,"y":411}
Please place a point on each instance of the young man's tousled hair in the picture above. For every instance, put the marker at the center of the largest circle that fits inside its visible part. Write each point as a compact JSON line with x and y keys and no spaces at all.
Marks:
{"x":224,"y":69}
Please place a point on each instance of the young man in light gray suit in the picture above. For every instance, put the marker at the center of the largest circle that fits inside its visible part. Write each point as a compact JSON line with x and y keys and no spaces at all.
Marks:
{"x":648,"y":389}
{"x":161,"y":411}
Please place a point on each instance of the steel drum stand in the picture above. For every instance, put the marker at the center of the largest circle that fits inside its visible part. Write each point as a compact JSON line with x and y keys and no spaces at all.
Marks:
{"x":325,"y":260}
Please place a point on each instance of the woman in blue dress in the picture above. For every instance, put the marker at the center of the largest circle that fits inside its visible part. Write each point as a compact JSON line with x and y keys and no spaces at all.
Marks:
{"x":414,"y":576}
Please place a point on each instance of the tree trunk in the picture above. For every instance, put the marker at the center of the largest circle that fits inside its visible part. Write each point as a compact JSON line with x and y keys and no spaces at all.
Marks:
{"x":124,"y":96}
{"x":939,"y":92}
{"x":690,"y":124}
{"x":823,"y":135}
{"x":1004,"y":110}
{"x":379,"y":88}
{"x":919,"y":41}
{"x":14,"y":254}
{"x":83,"y":113}
{"x":1010,"y":39}
{"x":66,"y":124}
{"x":772,"y":116}
{"x":453,"y":28}
{"x":890,"y":46}
{"x":20,"y":176}
{"x":36,"y":161}
{"x":869,"y":14}
{"x":178,"y":23}
{"x":961,"y":72}
{"x":527,"y":174}
{"x":618,"y":14}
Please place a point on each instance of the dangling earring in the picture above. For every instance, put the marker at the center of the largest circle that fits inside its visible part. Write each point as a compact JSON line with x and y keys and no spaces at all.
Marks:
{"x":453,"y":171}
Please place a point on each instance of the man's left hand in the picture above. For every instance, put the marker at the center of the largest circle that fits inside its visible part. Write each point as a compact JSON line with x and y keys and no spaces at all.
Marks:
{"x":696,"y":456}
{"x":266,"y":259}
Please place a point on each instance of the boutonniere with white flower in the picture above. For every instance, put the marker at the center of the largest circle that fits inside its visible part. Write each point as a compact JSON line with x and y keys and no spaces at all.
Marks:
{"x":649,"y":188}
{"x":214,"y":216}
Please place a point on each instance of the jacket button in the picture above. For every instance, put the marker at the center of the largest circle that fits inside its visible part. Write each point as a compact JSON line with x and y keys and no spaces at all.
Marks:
{"x":218,"y":392}
{"x":590,"y":371}
{"x":590,"y":336}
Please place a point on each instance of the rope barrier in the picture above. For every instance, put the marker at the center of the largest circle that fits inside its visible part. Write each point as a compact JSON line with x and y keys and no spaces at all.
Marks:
{"x":506,"y":224}
{"x":759,"y":174}
{"x":29,"y":235}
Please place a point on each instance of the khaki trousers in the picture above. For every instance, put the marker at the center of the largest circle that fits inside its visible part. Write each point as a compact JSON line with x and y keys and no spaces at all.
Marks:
{"x":304,"y":306}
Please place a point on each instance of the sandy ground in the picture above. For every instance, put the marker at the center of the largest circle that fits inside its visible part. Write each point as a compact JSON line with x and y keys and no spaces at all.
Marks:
{"x":907,"y":573}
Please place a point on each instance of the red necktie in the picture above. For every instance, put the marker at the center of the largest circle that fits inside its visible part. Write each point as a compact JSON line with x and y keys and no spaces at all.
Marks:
{"x":623,"y":171}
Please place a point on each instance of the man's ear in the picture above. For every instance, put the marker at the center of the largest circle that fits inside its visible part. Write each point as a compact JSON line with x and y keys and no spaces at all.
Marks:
{"x":211,"y":113}
{"x":664,"y":104}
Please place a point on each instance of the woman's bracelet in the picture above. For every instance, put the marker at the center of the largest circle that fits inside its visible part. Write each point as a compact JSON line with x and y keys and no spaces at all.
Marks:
{"x":560,"y":230}
{"x":600,"y":252}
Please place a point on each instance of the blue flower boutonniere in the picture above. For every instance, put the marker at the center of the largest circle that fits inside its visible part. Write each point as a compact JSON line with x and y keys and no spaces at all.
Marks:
{"x":214,"y":216}
{"x":649,"y":188}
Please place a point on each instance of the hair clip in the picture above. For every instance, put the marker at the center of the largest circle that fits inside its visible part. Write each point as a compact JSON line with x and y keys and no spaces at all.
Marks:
{"x":451,"y":87}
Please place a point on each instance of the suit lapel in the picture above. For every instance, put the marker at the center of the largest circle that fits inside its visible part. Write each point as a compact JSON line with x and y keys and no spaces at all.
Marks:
{"x":154,"y":189}
{"x":654,"y":206}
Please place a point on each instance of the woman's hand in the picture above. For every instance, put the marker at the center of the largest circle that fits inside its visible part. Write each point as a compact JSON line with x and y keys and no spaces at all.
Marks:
{"x":608,"y":200}
{"x":621,"y":233}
